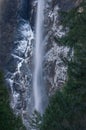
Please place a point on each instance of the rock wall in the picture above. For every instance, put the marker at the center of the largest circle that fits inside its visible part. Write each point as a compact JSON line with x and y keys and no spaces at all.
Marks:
{"x":17,"y":51}
{"x":55,"y":70}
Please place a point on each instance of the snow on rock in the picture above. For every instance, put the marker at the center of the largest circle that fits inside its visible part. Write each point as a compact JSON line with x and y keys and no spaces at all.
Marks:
{"x":20,"y":66}
{"x":55,"y":70}
{"x":19,"y":73}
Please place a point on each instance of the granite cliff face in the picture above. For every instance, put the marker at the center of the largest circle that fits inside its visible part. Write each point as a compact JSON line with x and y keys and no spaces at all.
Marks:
{"x":17,"y":50}
{"x":16,"y":55}
{"x":55,"y":70}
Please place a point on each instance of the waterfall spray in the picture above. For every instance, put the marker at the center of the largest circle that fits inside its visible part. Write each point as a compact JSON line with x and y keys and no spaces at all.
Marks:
{"x":38,"y":85}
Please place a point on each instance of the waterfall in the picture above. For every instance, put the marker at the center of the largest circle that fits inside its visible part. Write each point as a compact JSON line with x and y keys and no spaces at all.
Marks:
{"x":38,"y":85}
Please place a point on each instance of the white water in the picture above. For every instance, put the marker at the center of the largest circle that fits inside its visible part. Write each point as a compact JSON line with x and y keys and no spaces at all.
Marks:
{"x":38,"y":87}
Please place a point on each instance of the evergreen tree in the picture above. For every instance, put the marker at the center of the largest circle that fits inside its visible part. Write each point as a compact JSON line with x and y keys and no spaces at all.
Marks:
{"x":8,"y":121}
{"x":67,"y":109}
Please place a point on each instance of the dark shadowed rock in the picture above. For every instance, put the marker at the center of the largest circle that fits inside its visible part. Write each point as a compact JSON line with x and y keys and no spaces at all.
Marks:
{"x":8,"y":23}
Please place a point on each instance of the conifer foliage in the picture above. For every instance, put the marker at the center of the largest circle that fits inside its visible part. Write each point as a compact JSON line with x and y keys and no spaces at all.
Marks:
{"x":67,"y":109}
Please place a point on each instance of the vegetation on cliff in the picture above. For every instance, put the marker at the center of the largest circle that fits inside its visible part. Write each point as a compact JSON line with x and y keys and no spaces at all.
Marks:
{"x":67,"y":108}
{"x":8,"y":121}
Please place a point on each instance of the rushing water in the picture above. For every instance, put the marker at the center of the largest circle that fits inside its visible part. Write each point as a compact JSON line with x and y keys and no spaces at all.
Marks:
{"x":38,"y":84}
{"x":19,"y":68}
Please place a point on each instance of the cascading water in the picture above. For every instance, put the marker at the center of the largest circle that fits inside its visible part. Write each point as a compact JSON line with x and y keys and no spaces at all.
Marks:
{"x":19,"y":66}
{"x":38,"y":85}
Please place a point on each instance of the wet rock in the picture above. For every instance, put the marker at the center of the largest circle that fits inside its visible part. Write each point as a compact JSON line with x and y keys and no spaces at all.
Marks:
{"x":18,"y":53}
